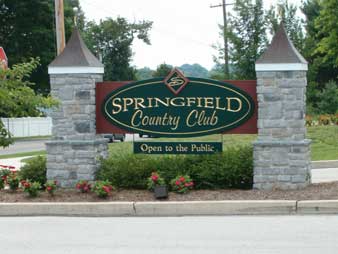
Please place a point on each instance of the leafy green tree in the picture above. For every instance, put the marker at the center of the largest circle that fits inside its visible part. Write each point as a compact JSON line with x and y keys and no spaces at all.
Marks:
{"x":144,"y":73}
{"x":17,"y":99}
{"x":111,"y":40}
{"x":320,"y":30}
{"x":28,"y":30}
{"x":194,"y":70}
{"x":162,"y":70}
{"x":327,"y":25}
{"x":287,"y":14}
{"x":247,"y":37}
{"x":328,"y":99}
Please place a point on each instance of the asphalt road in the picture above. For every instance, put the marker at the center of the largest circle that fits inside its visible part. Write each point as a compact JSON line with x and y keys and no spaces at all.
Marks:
{"x":197,"y":235}
{"x":24,"y":146}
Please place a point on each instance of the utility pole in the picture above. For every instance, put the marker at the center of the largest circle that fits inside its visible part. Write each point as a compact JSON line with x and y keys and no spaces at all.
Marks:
{"x":225,"y":23}
{"x":60,"y":26}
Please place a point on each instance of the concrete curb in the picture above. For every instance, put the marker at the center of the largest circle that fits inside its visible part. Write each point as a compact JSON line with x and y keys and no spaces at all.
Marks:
{"x":317,"y":207}
{"x":166,"y":208}
{"x":68,"y":209}
{"x":236,"y":207}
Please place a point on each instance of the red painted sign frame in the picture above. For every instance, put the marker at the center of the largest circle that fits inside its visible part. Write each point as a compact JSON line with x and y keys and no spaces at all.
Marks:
{"x":104,"y":88}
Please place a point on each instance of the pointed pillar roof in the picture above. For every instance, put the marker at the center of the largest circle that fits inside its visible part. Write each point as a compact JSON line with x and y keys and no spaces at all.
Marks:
{"x":75,"y":58}
{"x":281,"y":55}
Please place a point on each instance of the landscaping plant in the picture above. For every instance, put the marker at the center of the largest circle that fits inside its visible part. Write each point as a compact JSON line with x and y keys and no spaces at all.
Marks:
{"x":5,"y":171}
{"x":182,"y":184}
{"x":155,"y":180}
{"x":51,"y":187}
{"x":32,"y":188}
{"x":35,"y":170}
{"x":13,"y":181}
{"x":83,"y":186}
{"x":2,"y":183}
{"x":103,"y":189}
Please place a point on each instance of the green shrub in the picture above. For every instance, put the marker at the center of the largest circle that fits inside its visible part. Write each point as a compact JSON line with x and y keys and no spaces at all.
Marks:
{"x":231,"y":169}
{"x":34,"y":170}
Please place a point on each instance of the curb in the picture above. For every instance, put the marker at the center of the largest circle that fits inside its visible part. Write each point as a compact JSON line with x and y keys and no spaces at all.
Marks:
{"x":166,"y":208}
{"x":317,"y":207}
{"x":68,"y":209}
{"x":236,"y":207}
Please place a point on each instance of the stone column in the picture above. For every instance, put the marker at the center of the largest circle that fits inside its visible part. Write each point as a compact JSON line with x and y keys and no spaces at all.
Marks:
{"x":74,"y":151}
{"x":281,"y":151}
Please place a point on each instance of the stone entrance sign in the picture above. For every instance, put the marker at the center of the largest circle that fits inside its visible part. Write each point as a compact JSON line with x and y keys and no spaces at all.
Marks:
{"x":281,"y":152}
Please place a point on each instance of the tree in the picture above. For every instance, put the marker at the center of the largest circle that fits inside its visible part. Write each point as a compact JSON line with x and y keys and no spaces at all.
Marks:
{"x":247,"y":37}
{"x":328,"y":99}
{"x":194,"y":70}
{"x":27,"y":30}
{"x":162,"y":70}
{"x":111,"y":40}
{"x":327,"y":25}
{"x":17,"y":99}
{"x":287,"y":14}
{"x":144,"y":73}
{"x":319,"y":52}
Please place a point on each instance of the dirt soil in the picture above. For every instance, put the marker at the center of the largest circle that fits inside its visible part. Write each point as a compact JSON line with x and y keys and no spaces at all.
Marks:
{"x":312,"y":192}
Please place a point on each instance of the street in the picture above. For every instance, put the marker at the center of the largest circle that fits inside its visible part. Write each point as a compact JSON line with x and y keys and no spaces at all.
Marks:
{"x":24,"y":146}
{"x":229,"y":234}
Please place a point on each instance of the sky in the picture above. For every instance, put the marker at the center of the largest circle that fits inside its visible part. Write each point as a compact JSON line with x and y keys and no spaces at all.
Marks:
{"x":183,"y":30}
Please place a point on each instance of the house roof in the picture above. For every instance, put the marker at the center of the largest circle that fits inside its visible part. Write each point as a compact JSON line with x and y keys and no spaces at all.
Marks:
{"x":3,"y":54}
{"x":281,"y":50}
{"x":76,"y":54}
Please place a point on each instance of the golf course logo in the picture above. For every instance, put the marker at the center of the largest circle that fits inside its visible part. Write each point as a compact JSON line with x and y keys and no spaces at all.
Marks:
{"x":176,"y":81}
{"x":177,"y":106}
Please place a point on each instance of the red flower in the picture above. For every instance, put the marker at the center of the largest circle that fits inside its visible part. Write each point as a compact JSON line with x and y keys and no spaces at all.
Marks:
{"x":107,"y":189}
{"x":182,"y":179}
{"x":11,"y":167}
{"x":49,"y":188}
{"x":177,"y":183}
{"x":154,"y":178}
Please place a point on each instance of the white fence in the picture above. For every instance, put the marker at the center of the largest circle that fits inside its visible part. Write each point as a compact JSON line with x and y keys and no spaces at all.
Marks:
{"x":28,"y":126}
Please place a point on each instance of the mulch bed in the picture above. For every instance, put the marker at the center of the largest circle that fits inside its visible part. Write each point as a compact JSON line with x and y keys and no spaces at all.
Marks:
{"x":313,"y":192}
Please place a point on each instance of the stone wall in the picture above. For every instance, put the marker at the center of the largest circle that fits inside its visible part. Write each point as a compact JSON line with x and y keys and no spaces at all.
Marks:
{"x":74,"y":151}
{"x":281,"y":152}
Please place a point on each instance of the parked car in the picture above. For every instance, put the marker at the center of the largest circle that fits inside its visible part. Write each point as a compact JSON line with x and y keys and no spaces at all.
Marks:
{"x":114,"y":136}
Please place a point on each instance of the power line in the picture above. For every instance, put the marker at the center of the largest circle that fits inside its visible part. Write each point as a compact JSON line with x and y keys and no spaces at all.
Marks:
{"x":226,"y":54}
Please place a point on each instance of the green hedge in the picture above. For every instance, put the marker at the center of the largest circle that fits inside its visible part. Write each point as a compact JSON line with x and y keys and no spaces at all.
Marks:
{"x":231,"y":169}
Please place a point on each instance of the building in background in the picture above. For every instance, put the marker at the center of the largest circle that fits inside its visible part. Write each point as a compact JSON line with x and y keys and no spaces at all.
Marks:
{"x":3,"y":59}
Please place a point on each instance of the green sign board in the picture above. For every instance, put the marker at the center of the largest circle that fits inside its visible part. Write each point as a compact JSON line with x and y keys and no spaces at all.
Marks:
{"x":178,"y":106}
{"x":177,"y":147}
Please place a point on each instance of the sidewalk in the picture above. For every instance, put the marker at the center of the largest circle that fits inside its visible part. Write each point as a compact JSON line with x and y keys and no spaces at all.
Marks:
{"x":16,"y":162}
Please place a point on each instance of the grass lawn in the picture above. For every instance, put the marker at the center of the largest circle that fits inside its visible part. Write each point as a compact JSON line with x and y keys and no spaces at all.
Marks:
{"x":15,"y":155}
{"x":324,"y":142}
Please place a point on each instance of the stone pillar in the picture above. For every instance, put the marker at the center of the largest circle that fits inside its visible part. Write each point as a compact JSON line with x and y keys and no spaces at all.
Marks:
{"x":281,"y":151}
{"x":74,"y":151}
